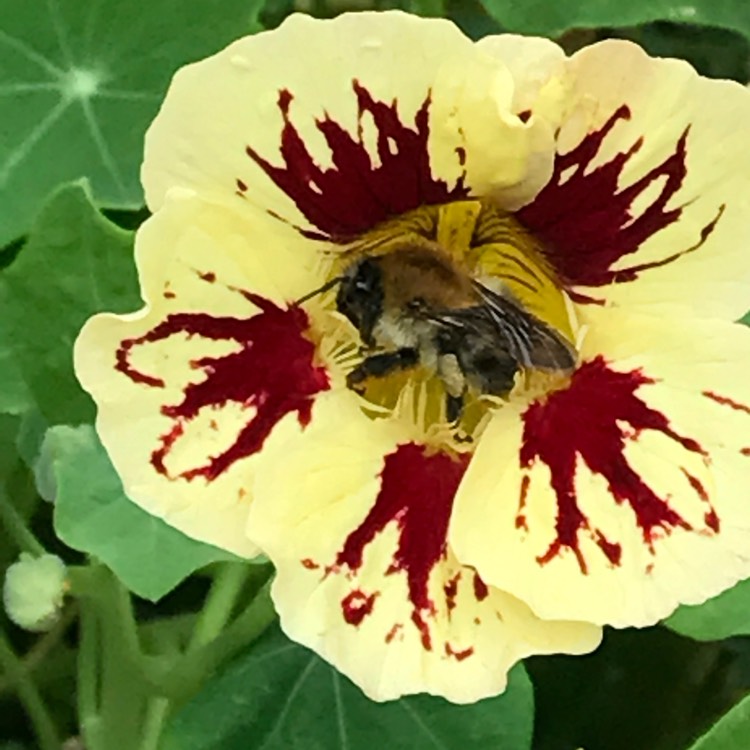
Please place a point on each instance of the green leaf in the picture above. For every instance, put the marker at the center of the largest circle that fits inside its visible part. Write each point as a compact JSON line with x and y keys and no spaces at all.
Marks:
{"x":280,"y":696}
{"x":15,"y":397}
{"x":696,"y":44}
{"x":93,"y":515}
{"x":552,"y":17}
{"x":74,"y":264}
{"x":472,"y":19}
{"x":83,"y":80}
{"x":721,"y":617}
{"x":731,"y":732}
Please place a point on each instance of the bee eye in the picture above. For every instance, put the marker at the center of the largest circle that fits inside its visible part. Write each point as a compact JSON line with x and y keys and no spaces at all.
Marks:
{"x":362,"y":286}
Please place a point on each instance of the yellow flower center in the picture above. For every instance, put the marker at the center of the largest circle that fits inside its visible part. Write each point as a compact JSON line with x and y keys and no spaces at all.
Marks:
{"x":475,"y":241}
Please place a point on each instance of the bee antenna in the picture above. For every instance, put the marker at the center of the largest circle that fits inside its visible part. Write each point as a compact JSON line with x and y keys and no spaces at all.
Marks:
{"x":328,"y":285}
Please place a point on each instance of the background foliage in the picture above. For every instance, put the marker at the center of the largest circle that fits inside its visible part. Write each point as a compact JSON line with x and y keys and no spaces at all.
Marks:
{"x":156,"y":648}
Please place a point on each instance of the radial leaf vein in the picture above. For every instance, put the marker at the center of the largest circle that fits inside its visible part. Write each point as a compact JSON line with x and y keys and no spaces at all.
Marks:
{"x":53,"y":6}
{"x":30,"y":53}
{"x":106,"y":93}
{"x":19,"y":154}
{"x":339,"y":710}
{"x":101,"y":145}
{"x":422,"y":725}
{"x":23,"y":88}
{"x":304,"y":674}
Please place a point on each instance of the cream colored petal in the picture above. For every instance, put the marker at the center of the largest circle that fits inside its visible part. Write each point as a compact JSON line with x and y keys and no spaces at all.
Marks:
{"x":188,"y":387}
{"x":480,"y":108}
{"x":651,"y":190}
{"x":354,"y":518}
{"x":619,"y":498}
{"x":315,"y":121}
{"x":536,"y":64}
{"x":537,"y":68}
{"x":370,"y":116}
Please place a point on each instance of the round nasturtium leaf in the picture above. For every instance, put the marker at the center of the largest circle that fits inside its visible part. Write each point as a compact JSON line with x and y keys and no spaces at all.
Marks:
{"x":280,"y":696}
{"x":79,"y":83}
{"x":723,"y":616}
{"x":552,"y":17}
{"x":93,"y":515}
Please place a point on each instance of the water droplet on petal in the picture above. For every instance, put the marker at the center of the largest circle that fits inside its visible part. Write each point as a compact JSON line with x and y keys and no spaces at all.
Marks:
{"x":241,"y":62}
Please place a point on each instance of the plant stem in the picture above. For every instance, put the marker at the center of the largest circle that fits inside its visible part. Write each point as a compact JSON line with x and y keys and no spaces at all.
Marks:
{"x":36,"y":654}
{"x":17,"y":528}
{"x":44,"y":727}
{"x":156,"y":714}
{"x":183,"y":680}
{"x":114,"y":680}
{"x":219,"y":603}
{"x":87,"y":688}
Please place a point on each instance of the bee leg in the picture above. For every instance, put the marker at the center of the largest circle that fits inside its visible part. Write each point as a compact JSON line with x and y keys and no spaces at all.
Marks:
{"x":454,"y":407}
{"x":454,"y":382}
{"x":380,"y":365}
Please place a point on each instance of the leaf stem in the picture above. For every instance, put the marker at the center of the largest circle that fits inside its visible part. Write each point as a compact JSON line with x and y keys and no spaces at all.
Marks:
{"x":42,"y":723}
{"x":17,"y":528}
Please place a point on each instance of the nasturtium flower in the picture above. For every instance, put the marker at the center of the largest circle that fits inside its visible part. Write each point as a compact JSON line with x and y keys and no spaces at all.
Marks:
{"x":608,"y":192}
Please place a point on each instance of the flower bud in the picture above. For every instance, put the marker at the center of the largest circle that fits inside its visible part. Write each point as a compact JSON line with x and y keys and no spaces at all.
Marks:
{"x":33,"y":591}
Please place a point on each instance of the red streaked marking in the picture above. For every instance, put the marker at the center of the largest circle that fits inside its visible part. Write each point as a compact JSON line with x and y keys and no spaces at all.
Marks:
{"x":458,"y":655}
{"x":584,"y":218}
{"x":393,"y":632}
{"x":241,"y":186}
{"x":481,"y":592}
{"x":726,"y":401}
{"x":309,"y":564}
{"x":353,"y":195}
{"x":697,"y":486}
{"x":169,"y":295}
{"x":122,"y":364}
{"x":423,"y":628}
{"x":208,"y":276}
{"x":597,"y":413}
{"x":612,"y":550}
{"x":272,"y":370}
{"x":451,"y":590}
{"x":416,"y":493}
{"x":732,"y":404}
{"x":357,"y":605}
{"x":712,"y":520}
{"x":520,"y":515}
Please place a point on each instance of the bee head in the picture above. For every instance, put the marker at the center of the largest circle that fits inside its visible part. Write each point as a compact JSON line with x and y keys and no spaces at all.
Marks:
{"x":360,"y":297}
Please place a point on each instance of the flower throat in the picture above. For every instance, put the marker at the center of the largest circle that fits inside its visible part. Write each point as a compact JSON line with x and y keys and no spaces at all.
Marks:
{"x":451,"y":304}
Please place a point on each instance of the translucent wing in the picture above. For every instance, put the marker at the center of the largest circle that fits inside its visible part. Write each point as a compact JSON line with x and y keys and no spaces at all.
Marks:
{"x":526,"y":339}
{"x":530,"y":341}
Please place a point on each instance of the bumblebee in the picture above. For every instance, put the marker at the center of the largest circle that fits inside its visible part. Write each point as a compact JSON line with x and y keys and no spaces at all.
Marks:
{"x":414,"y":305}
